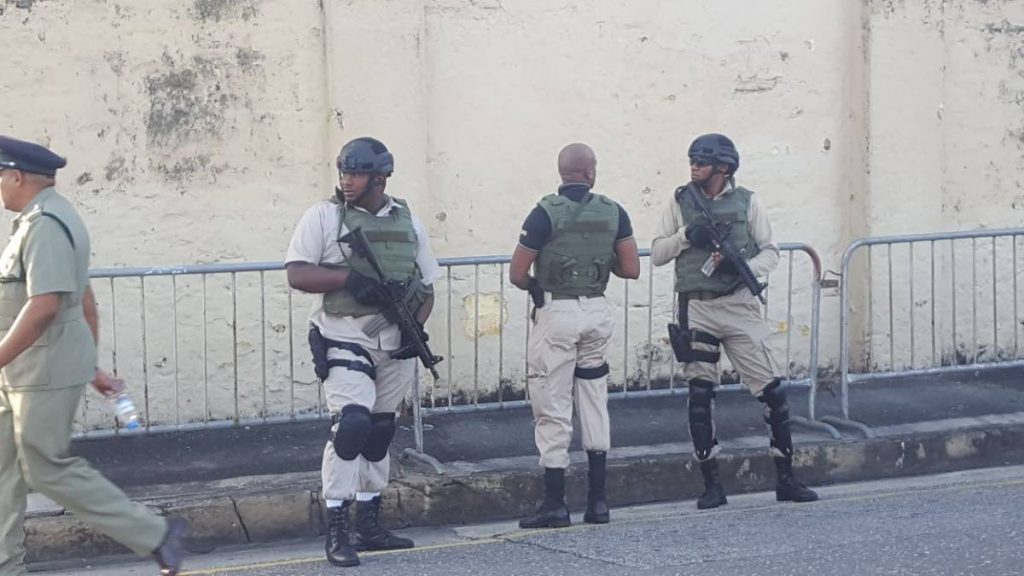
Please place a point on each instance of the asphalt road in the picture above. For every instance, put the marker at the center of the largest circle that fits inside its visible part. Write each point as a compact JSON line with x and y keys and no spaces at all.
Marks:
{"x":963,"y":523}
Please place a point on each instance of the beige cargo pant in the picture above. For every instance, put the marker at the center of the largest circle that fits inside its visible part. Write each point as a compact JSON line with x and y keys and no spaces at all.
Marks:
{"x":569,"y":334}
{"x":343,"y":478}
{"x":35,"y":438}
{"x":736,"y":320}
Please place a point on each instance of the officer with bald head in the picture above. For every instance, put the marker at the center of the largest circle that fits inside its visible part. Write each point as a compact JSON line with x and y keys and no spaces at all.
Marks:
{"x":47,"y":355}
{"x":574,"y":240}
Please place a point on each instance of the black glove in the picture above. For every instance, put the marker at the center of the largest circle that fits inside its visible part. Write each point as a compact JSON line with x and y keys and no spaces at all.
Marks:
{"x":364,"y":289}
{"x":407,"y":349}
{"x":536,"y":292}
{"x":699,"y":235}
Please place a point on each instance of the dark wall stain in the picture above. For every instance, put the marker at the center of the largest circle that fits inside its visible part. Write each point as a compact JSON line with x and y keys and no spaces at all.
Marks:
{"x":84,"y":178}
{"x":249,"y":59}
{"x":188,"y":102}
{"x":116,"y":61}
{"x":1005,"y":27}
{"x":756,"y":83}
{"x":116,"y":167}
{"x":218,"y":10}
{"x":184,"y":171}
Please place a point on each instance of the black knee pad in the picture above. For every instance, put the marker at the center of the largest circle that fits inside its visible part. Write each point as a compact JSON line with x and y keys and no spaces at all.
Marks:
{"x":702,"y":426}
{"x":591,"y":373}
{"x":350,"y":431}
{"x":382,"y":431}
{"x":702,"y":393}
{"x":774,"y":399}
{"x":776,"y":416}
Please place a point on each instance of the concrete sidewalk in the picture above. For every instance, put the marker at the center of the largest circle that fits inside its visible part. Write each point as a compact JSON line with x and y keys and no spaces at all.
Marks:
{"x":262,"y":483}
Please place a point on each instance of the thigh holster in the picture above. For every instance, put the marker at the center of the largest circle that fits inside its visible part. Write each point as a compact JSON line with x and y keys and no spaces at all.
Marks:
{"x":319,"y":345}
{"x":682,"y":338}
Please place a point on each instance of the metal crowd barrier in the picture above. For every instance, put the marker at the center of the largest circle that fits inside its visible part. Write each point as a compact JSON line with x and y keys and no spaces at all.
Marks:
{"x":193,"y":364}
{"x":891,"y":338}
{"x":442,"y":398}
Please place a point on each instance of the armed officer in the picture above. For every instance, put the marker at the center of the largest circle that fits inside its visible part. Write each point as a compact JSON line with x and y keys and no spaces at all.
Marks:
{"x":361,"y":357}
{"x":574,"y":240}
{"x":717,"y":309}
{"x":49,"y":323}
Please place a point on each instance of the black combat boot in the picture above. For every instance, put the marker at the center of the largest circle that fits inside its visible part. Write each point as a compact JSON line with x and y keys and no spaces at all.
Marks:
{"x":597,"y":506}
{"x":370,"y":535}
{"x":787,"y":487}
{"x":172,"y":550}
{"x":339,"y":548}
{"x":552,"y":513}
{"x":714,"y":493}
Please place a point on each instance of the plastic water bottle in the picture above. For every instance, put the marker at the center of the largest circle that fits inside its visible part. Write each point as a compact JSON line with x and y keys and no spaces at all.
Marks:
{"x":127,"y":413}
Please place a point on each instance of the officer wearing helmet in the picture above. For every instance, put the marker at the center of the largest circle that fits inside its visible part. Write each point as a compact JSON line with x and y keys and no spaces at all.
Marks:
{"x":717,"y":310}
{"x":353,"y":344}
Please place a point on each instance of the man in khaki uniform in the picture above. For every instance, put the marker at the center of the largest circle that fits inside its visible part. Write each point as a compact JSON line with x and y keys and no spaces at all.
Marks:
{"x":716,"y":308}
{"x":48,"y":355}
{"x":574,"y":240}
{"x":360,"y":355}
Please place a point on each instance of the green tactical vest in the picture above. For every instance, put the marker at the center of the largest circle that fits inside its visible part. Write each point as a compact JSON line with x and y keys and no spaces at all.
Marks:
{"x":578,"y":257}
{"x":733,"y":208}
{"x":393,"y":241}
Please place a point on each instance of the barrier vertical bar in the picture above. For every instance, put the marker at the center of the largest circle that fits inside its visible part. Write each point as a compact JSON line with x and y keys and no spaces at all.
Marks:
{"x":501,"y":333}
{"x":910,"y":258}
{"x":145,"y":352}
{"x":263,"y":343}
{"x":625,"y":337}
{"x":650,"y":323}
{"x":174,"y":348}
{"x":206,"y":363}
{"x":974,"y":299}
{"x":291,"y":356}
{"x":892,"y":313}
{"x":476,"y":334}
{"x":932,"y":300}
{"x":234,"y":341}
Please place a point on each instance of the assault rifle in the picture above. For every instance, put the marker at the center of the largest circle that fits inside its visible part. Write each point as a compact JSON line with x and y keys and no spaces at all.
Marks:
{"x":721,"y":242}
{"x":396,"y":309}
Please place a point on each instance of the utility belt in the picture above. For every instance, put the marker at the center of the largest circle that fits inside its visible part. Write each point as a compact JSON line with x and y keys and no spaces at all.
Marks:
{"x":556,"y":296}
{"x":701,"y":295}
{"x":682,"y":336}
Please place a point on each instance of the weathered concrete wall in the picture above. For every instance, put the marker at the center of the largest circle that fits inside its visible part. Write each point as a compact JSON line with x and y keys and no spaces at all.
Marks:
{"x":180,"y":120}
{"x":946,"y":111}
{"x":200,"y":131}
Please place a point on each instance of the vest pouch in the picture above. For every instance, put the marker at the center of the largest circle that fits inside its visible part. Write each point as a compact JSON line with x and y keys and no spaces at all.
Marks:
{"x":342,"y":303}
{"x":600,"y":269}
{"x":564,"y":273}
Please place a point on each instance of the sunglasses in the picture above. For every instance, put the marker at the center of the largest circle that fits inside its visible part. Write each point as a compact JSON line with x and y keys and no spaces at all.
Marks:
{"x":701,"y":161}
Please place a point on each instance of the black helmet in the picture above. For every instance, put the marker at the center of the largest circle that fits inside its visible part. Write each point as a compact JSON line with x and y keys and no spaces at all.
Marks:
{"x":719,"y":148}
{"x":367,"y":155}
